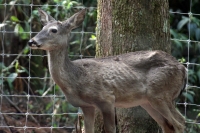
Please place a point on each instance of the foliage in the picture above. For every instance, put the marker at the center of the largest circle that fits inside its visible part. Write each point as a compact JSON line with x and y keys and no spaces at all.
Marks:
{"x":185,"y":34}
{"x":23,"y":23}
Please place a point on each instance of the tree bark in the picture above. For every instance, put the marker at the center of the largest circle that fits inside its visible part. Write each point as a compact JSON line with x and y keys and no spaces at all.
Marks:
{"x":132,"y":25}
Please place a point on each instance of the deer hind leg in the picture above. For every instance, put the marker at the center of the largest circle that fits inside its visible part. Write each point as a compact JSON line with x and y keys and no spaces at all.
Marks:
{"x":88,"y":113}
{"x":168,"y":112}
{"x":178,"y":116}
{"x":166,"y":128}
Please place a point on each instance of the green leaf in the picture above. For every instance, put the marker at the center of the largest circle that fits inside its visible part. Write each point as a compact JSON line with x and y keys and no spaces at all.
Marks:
{"x":182,"y":60}
{"x":14,"y":19}
{"x":192,"y":27}
{"x":40,"y":91}
{"x":197,"y":34}
{"x":20,"y":71}
{"x":12,"y":3}
{"x":16,"y":30}
{"x":71,"y":108}
{"x":2,"y":66}
{"x":64,"y":107}
{"x":23,"y":69}
{"x":26,"y":50}
{"x":191,"y":92}
{"x":20,"y":31}
{"x":88,"y":46}
{"x":24,"y":36}
{"x":189,"y":97}
{"x":17,"y":65}
{"x":56,"y":1}
{"x":12,"y":77}
{"x":181,"y":23}
{"x":198,"y":115}
{"x":195,"y":20}
{"x":75,"y":42}
{"x":71,"y":4}
{"x":93,"y":37}
{"x":49,"y":106}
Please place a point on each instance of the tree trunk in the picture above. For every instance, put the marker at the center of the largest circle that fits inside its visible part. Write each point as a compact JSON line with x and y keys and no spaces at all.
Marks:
{"x":132,"y":25}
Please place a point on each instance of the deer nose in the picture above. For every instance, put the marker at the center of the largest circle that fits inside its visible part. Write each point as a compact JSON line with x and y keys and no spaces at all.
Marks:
{"x":31,"y":42}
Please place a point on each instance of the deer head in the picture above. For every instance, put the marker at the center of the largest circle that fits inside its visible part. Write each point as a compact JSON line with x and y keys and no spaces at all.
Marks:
{"x":55,"y":34}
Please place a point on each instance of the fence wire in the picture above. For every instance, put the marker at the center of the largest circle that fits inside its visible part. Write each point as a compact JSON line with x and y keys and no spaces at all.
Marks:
{"x":190,"y":64}
{"x":29,"y":115}
{"x":27,"y":103}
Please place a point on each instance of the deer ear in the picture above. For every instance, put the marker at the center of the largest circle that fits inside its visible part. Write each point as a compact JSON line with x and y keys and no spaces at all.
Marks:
{"x":44,"y":17}
{"x":75,"y":20}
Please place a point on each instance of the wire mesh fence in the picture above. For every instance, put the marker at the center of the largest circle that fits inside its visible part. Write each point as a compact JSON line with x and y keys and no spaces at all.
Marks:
{"x":29,"y":99}
{"x":185,"y":38}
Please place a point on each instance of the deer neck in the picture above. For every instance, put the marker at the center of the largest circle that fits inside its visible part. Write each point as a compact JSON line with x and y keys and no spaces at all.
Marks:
{"x":63,"y":71}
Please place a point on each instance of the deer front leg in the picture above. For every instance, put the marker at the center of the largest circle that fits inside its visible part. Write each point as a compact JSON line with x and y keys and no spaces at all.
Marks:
{"x":88,"y":113}
{"x":108,"y":112}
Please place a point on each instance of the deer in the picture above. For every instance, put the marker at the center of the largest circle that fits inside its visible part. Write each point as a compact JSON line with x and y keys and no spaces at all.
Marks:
{"x":152,"y":79}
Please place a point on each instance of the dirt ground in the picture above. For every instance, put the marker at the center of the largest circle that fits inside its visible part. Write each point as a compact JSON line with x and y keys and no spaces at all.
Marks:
{"x":11,"y":122}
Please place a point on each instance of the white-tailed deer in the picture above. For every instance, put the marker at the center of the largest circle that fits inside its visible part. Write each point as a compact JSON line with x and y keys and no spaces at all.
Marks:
{"x":150,"y":79}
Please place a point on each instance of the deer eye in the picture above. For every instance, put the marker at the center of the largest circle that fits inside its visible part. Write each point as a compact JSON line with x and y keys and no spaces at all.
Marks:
{"x":54,"y":30}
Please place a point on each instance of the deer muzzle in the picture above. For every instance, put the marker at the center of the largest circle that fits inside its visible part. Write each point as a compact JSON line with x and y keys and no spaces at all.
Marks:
{"x":33,"y":43}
